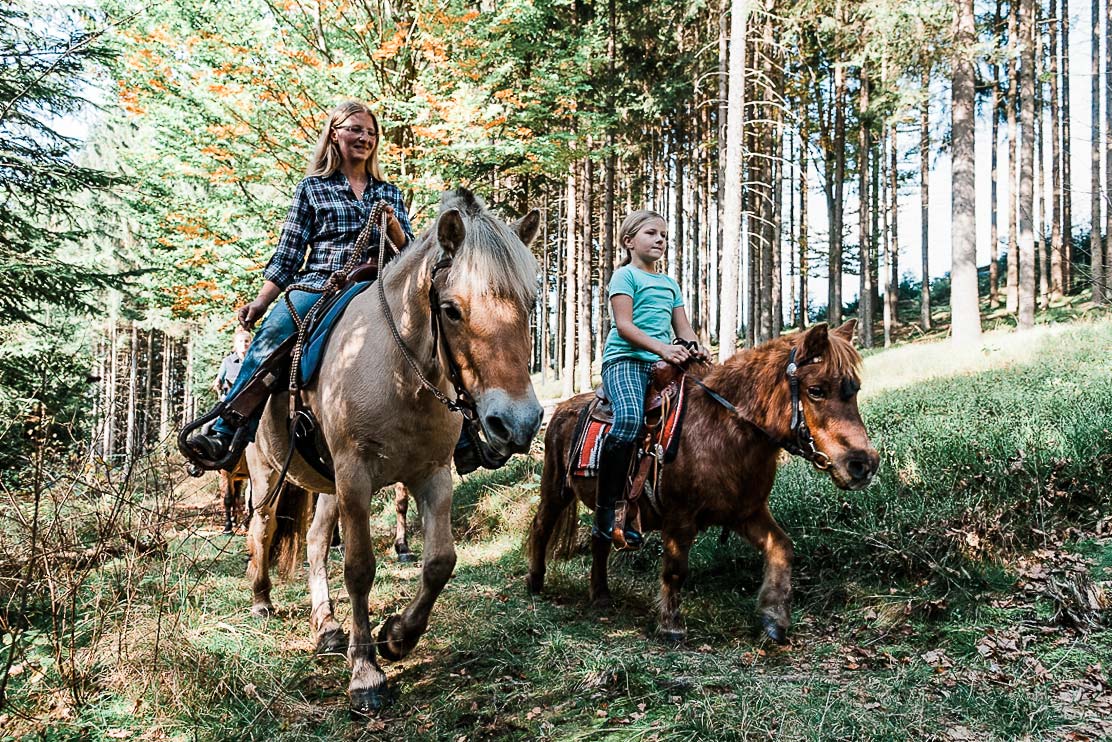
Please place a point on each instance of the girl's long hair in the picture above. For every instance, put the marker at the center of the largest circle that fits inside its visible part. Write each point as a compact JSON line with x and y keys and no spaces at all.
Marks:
{"x":631,"y":225}
{"x":326,"y":157}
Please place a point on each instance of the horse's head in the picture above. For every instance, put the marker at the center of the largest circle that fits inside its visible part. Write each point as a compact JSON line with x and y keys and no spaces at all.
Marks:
{"x":485,"y":301}
{"x":829,"y":377}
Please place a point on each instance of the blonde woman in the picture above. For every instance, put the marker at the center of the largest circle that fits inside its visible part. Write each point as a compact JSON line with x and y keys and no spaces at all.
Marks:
{"x":330,"y":206}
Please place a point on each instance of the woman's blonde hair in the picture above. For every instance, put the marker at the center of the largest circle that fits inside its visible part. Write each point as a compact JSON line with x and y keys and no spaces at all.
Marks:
{"x":326,"y":157}
{"x":631,"y":225}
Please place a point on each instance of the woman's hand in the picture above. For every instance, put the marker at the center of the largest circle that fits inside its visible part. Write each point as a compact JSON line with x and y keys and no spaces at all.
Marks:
{"x":676,"y":354}
{"x":249,"y":313}
{"x":394,"y":228}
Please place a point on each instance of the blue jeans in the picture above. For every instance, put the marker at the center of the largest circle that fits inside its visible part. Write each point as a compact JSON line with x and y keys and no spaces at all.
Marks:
{"x":625,"y":381}
{"x":277,"y":326}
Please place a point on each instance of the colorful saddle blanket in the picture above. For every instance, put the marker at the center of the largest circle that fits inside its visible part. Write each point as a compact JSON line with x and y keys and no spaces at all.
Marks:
{"x":660,"y":430}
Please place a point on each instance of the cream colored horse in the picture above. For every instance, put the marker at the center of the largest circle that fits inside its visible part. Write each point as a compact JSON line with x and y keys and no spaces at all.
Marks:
{"x":382,"y":426}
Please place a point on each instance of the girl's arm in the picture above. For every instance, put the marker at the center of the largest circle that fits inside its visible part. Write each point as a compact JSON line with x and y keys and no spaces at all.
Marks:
{"x":683,"y":331}
{"x":621,"y":308}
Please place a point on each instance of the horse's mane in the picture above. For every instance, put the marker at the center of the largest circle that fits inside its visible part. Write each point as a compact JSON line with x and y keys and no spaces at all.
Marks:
{"x":492,"y":259}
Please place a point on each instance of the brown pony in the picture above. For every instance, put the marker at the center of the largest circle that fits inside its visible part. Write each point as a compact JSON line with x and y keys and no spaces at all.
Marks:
{"x":723,"y":471}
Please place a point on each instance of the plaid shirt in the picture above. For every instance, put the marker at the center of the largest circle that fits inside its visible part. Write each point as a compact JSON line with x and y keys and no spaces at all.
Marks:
{"x":326,"y":218}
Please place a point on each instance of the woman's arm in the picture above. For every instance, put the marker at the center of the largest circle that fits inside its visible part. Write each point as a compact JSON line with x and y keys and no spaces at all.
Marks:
{"x":621,"y":308}
{"x":250,"y":313}
{"x":398,"y":229}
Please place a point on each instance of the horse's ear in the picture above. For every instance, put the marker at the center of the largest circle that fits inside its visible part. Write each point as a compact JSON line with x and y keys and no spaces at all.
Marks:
{"x":845,"y":331}
{"x":528,"y":226}
{"x":450,"y":231}
{"x":814,"y":343}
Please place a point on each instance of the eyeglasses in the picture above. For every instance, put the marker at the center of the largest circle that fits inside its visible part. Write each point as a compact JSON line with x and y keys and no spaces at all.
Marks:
{"x":359,"y":131}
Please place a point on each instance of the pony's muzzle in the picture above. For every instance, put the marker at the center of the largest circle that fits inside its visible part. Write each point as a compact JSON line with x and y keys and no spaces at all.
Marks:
{"x":510,"y":424}
{"x":861,"y":466}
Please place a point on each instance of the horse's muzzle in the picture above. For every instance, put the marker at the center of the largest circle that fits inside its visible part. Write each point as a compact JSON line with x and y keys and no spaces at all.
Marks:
{"x":510,"y":423}
{"x":860,"y":466}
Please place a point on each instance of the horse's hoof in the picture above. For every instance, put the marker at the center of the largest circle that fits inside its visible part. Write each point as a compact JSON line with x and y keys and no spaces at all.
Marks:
{"x":367,"y":702}
{"x":332,"y":642}
{"x":774,"y":631}
{"x":385,"y":648}
{"x":408,"y":557}
{"x":262,"y":610}
{"x":673,"y":636}
{"x":534,"y":583}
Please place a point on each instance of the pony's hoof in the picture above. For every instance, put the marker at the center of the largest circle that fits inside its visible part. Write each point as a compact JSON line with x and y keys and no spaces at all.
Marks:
{"x":774,"y":631}
{"x":333,"y":641}
{"x":673,"y":637}
{"x":367,"y":702}
{"x":408,"y":557}
{"x":534,"y":583}
{"x":262,"y":610}
{"x":387,"y":647}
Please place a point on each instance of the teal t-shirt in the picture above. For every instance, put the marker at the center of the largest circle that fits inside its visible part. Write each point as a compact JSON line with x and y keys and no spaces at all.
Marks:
{"x":654,"y":295}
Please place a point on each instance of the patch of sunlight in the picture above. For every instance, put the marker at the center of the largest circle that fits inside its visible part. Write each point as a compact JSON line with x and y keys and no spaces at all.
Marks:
{"x":488,"y":552}
{"x":911,"y":364}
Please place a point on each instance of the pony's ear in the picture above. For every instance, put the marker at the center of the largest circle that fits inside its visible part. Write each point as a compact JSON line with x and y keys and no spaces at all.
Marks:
{"x":450,"y":231}
{"x":814,"y":343}
{"x":845,"y":331}
{"x":528,"y":226}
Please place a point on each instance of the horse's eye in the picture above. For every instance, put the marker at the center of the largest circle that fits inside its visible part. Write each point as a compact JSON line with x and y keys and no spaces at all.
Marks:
{"x":816,"y":392}
{"x":451,"y":311}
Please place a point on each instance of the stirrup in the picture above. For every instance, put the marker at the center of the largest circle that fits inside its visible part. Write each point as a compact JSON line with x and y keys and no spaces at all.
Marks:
{"x":202,"y":464}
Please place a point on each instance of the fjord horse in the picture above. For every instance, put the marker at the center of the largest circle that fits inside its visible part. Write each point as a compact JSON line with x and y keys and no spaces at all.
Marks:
{"x":723,"y":472}
{"x":469,"y":280}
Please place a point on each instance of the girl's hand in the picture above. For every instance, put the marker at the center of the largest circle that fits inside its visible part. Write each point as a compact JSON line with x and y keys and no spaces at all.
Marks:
{"x":676,"y":354}
{"x":701,"y":353}
{"x":249,"y":313}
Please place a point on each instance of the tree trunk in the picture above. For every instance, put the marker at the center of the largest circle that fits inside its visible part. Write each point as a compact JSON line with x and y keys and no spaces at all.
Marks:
{"x":1026,"y":311}
{"x":1106,"y":263}
{"x":804,"y":192}
{"x":1011,"y":290}
{"x":164,"y":391}
{"x":1067,"y":180}
{"x":994,"y":238}
{"x":1042,"y":244}
{"x":924,"y":201}
{"x":571,"y":284}
{"x":1056,"y":164}
{"x":583,"y":382}
{"x":1096,"y":249}
{"x":720,"y":331}
{"x":731,"y":209}
{"x":834,"y":288}
{"x":966,"y":317}
{"x":865,"y":287}
{"x":543,"y":334}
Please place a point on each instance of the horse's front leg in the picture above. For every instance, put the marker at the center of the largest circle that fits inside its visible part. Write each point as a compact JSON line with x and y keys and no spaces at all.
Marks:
{"x":673,"y":573}
{"x":329,"y":633}
{"x":367,"y":690}
{"x":774,"y":599}
{"x":401,"y":512}
{"x":400,"y":632}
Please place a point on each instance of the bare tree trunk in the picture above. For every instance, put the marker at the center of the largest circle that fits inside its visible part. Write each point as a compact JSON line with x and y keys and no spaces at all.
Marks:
{"x":164,"y":393}
{"x":792,"y":234}
{"x":571,"y":284}
{"x":1056,"y":164}
{"x":543,"y":333}
{"x":1067,"y":179}
{"x":1042,"y":244}
{"x":777,"y":226}
{"x":561,"y":291}
{"x":1011,"y":290}
{"x":1106,"y":262}
{"x":607,"y":236}
{"x":1096,"y":248}
{"x":706,"y":270}
{"x":583,"y":381}
{"x":834,"y":288}
{"x":677,"y":218}
{"x":994,"y":239}
{"x":1026,"y":316}
{"x":722,"y":331}
{"x":864,"y":150}
{"x":964,"y":305}
{"x":804,"y":192}
{"x":885,"y":238}
{"x":187,"y":396}
{"x":731,"y":211}
{"x":924,"y":201}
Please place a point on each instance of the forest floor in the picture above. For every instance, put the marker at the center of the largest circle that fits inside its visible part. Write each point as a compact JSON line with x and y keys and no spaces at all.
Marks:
{"x":964,"y":595}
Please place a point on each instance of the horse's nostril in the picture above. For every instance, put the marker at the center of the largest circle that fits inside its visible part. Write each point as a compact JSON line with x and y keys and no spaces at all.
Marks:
{"x":858,"y":468}
{"x":497,"y":427}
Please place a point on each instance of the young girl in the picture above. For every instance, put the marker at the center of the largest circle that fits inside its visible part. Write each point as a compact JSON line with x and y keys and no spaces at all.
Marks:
{"x":330,"y":206}
{"x":647,"y":309}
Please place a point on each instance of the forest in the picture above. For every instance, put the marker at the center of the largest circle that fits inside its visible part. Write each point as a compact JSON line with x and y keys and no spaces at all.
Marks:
{"x":938,"y":170}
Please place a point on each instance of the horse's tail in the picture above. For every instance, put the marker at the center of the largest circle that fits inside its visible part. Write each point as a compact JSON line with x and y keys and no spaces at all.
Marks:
{"x":293,"y":514}
{"x":556,"y":485}
{"x":564,"y":541}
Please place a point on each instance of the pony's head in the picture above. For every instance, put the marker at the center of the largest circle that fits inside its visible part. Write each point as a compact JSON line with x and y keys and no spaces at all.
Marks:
{"x":485,"y":301}
{"x":829,"y":377}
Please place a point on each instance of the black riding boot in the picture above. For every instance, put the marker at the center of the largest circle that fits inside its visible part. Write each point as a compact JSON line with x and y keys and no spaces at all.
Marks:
{"x":613,"y":471}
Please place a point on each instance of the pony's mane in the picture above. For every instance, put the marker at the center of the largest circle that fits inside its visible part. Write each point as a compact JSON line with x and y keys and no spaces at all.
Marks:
{"x":492,"y":259}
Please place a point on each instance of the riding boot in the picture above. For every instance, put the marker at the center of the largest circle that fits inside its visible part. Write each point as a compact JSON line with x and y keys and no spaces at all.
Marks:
{"x":613,"y":472}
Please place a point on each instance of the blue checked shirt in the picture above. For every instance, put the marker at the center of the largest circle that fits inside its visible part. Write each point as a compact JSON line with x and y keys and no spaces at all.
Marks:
{"x":326,"y":218}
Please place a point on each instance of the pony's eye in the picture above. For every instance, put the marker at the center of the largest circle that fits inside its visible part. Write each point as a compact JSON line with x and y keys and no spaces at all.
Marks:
{"x":452,"y":312}
{"x":816,"y":392}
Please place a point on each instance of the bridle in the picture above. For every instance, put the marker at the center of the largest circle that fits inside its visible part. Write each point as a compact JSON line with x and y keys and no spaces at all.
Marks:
{"x":800,"y":443}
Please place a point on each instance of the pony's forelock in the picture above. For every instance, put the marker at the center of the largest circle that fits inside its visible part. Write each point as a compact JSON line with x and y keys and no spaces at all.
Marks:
{"x":492,"y":259}
{"x":844,"y":360}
